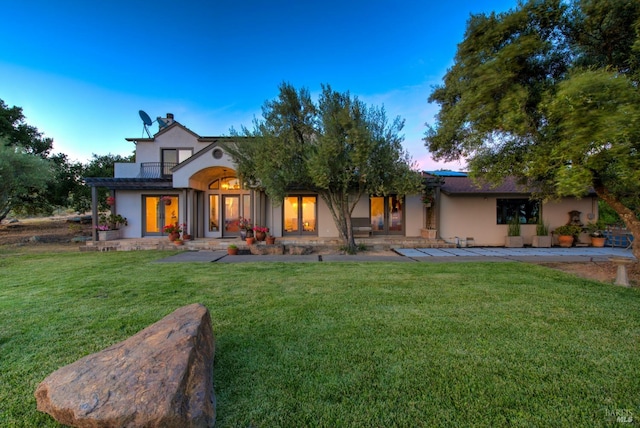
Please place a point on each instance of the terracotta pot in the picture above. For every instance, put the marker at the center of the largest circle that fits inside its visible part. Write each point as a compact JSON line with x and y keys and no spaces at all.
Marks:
{"x":232,"y":251}
{"x":565,"y":241}
{"x":260,"y":236}
{"x":598,"y":241}
{"x":178,"y":242}
{"x":271,"y":240}
{"x":250,"y":240}
{"x":173,"y":236}
{"x":186,"y":236}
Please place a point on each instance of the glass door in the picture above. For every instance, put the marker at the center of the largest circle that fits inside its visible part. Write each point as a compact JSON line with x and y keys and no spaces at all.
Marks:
{"x":387,"y":215}
{"x":300,"y":214}
{"x":159,"y":211}
{"x":231,"y":215}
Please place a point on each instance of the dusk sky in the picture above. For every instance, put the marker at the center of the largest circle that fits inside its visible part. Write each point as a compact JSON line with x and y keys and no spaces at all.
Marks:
{"x":82,"y":70}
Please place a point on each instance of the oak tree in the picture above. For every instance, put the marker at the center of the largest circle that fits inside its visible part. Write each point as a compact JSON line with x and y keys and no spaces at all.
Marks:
{"x":549,"y":93}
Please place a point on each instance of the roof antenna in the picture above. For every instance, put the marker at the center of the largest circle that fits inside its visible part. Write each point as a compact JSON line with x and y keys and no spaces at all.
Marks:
{"x":147,"y":122}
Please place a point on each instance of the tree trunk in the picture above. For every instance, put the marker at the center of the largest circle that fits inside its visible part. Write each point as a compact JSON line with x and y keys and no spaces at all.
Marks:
{"x":627,"y":215}
{"x":341,"y":212}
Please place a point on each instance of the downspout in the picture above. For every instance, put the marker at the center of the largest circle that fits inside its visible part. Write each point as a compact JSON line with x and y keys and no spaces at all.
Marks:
{"x":437,"y":212}
{"x":94,"y":213}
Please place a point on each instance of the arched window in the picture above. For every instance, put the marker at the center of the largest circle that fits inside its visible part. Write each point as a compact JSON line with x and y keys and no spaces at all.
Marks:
{"x":227,"y":183}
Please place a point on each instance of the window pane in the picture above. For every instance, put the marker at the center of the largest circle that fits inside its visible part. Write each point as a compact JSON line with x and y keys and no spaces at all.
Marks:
{"x":246,"y":206}
{"x":291,"y":214}
{"x":184,"y":154}
{"x":213,"y":213}
{"x":377,"y":213}
{"x":309,"y":213}
{"x":525,"y":210}
{"x":395,"y":214}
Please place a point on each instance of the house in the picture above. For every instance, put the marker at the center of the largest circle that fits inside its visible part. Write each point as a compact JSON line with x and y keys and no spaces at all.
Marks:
{"x":182,"y":177}
{"x":482,"y":213}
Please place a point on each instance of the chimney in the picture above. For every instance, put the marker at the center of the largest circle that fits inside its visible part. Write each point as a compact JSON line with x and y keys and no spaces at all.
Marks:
{"x":164,"y":122}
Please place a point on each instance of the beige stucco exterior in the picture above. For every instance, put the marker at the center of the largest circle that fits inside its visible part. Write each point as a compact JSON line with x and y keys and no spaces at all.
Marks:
{"x":463,"y":217}
{"x":459,"y":216}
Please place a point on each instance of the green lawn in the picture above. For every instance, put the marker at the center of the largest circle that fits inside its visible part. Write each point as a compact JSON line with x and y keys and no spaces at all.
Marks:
{"x":342,"y":344}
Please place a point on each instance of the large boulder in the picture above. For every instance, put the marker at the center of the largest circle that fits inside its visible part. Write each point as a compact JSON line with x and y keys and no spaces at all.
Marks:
{"x":162,"y":376}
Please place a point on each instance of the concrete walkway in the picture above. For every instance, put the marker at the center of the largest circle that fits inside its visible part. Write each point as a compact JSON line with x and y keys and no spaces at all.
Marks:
{"x":442,"y":255}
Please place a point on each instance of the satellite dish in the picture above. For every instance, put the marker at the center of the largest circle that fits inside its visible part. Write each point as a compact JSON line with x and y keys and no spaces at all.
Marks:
{"x":161,"y":123}
{"x":146,"y":121}
{"x":145,"y":118}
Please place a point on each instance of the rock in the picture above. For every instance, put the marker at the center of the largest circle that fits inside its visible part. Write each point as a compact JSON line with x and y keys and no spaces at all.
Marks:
{"x":161,"y":376}
{"x":300,"y":250}
{"x":263,"y":250}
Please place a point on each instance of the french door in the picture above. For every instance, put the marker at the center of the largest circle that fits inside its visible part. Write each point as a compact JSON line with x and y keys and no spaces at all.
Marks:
{"x":300,"y":214}
{"x":387,"y":215}
{"x":159,"y":211}
{"x":231,"y":215}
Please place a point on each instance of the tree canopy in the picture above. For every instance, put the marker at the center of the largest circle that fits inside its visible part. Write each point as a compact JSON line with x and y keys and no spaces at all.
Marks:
{"x":338,"y":147}
{"x":21,"y":174}
{"x":548,"y":92}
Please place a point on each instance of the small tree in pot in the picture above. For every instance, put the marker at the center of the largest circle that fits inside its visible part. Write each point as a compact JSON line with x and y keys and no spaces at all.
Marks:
{"x":567,"y":234}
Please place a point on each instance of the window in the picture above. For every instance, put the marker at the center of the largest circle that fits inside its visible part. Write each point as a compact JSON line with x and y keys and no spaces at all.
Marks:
{"x":230,"y":183}
{"x":172,"y":157}
{"x":527,"y":210}
{"x":300,"y":215}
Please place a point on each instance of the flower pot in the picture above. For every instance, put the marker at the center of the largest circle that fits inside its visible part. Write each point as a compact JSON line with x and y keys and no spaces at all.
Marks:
{"x":260,"y":236}
{"x":541,"y":241}
{"x":271,"y":240}
{"x":186,"y":236}
{"x":565,"y":241}
{"x":108,"y":235}
{"x":598,"y":241}
{"x":250,"y":240}
{"x":178,"y":242}
{"x":428,"y":233}
{"x":232,"y":251}
{"x":173,"y":236}
{"x":514,"y":242}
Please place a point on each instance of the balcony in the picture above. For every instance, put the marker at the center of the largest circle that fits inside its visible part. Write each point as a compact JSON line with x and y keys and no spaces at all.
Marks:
{"x":156,"y":169}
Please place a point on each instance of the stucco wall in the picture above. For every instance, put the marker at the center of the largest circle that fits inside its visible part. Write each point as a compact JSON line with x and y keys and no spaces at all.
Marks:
{"x":475,"y":216}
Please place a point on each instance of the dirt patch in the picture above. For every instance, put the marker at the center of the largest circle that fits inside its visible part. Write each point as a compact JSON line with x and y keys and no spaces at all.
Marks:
{"x":598,"y":271}
{"x":45,"y":234}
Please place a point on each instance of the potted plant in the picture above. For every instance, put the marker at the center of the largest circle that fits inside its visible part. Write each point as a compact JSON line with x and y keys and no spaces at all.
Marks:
{"x":270,"y":239}
{"x":597,"y":235}
{"x":111,"y":200}
{"x":541,"y":238}
{"x":250,"y":240}
{"x":232,"y":250}
{"x":178,"y":242}
{"x":513,"y":239}
{"x":109,"y":226}
{"x":246,"y":230}
{"x":173,"y":230}
{"x":567,"y":234}
{"x":260,"y":232}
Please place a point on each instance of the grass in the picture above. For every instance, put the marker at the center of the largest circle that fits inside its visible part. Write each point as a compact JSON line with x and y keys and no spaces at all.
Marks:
{"x":341,"y":344}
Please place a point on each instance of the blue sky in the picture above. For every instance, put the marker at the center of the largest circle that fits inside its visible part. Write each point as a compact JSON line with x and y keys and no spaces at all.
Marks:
{"x":81,"y":70}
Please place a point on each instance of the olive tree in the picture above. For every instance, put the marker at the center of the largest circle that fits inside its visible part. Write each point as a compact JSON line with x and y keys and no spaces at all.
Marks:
{"x":338,"y":147}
